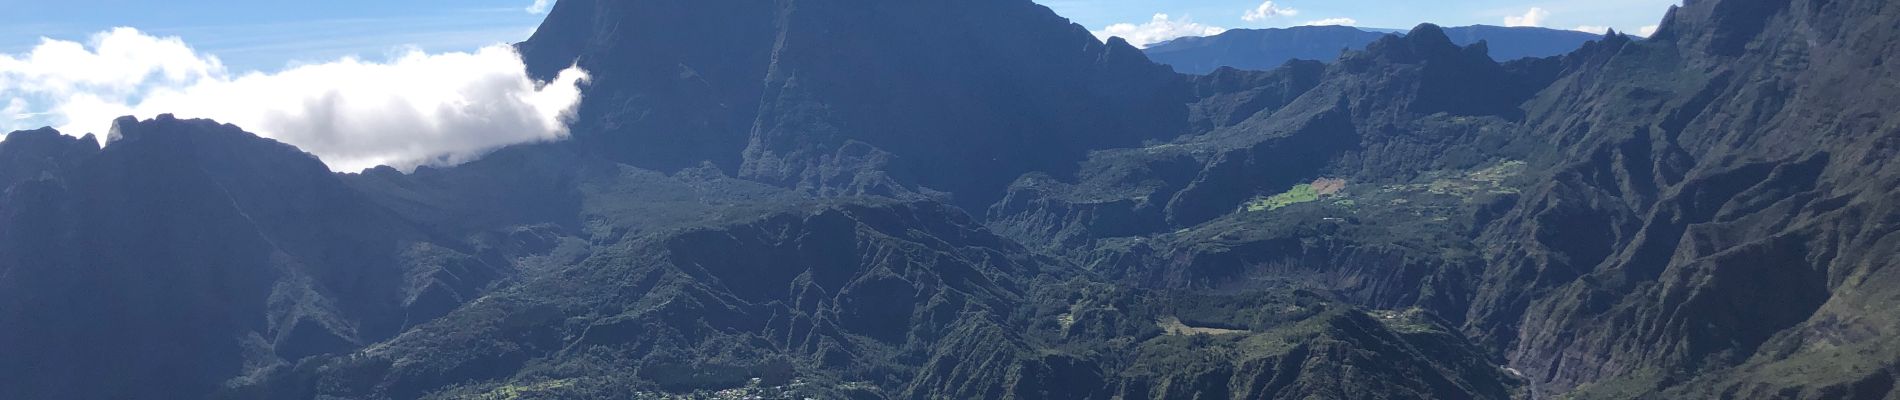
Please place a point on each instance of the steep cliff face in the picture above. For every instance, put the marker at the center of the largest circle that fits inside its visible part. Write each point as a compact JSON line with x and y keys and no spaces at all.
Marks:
{"x":1720,"y":197}
{"x":187,"y":253}
{"x":1709,"y":213}
{"x":1377,"y":118}
{"x":1699,"y":214}
{"x":853,"y":97}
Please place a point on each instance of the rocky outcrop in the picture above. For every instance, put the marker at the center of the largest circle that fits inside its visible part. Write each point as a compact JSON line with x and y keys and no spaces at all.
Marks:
{"x":41,"y":154}
{"x":1714,"y":204}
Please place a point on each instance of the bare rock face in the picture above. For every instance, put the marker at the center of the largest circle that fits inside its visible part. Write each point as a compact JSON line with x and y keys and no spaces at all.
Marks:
{"x":855,"y":97}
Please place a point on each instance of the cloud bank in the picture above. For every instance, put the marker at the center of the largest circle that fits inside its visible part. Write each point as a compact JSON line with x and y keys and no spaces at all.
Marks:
{"x":1333,"y":22}
{"x":1161,"y":28}
{"x":1533,"y":18}
{"x":1267,"y":10}
{"x":415,"y":109}
{"x":1597,"y":29}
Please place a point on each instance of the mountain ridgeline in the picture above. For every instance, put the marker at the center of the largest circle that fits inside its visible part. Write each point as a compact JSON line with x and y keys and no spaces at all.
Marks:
{"x":1266,"y":49}
{"x":977,"y":199}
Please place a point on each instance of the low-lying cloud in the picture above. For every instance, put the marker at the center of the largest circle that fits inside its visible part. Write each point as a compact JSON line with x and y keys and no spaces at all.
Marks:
{"x":415,"y":109}
{"x":1333,"y":22}
{"x":1159,"y":29}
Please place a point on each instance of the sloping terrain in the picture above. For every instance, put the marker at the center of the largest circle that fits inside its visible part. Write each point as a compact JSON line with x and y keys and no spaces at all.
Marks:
{"x":1731,"y":232}
{"x":187,"y":253}
{"x":803,"y":199}
{"x":789,"y":92}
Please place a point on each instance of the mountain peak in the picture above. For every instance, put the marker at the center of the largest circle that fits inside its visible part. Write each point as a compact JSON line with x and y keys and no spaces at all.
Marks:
{"x":1425,"y":43}
{"x":31,"y":154}
{"x":219,"y":146}
{"x":1428,"y":35}
{"x":764,"y":90}
{"x":44,"y":137}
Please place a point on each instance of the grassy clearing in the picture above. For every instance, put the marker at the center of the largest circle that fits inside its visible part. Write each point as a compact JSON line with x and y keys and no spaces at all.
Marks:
{"x":511,"y":392}
{"x":1301,"y":193}
{"x":1321,"y":188}
{"x":1174,"y":326}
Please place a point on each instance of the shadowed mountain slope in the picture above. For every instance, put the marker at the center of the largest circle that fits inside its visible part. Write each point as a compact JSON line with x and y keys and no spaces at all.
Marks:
{"x":186,"y":253}
{"x":853,"y":97}
{"x":837,"y":199}
{"x":1264,"y":49}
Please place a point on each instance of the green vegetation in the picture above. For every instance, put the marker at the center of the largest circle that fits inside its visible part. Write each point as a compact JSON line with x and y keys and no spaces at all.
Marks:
{"x":512,"y":392}
{"x":1414,"y":320}
{"x":1302,"y":193}
{"x":1174,"y":326}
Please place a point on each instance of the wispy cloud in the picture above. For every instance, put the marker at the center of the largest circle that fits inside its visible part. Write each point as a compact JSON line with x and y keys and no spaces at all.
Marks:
{"x":416,"y":109}
{"x":540,"y":6}
{"x":15,"y":109}
{"x":1333,"y":22}
{"x":275,"y":45}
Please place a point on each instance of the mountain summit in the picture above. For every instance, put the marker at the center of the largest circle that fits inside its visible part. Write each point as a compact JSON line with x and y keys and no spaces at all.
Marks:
{"x":935,"y":199}
{"x":834,"y":96}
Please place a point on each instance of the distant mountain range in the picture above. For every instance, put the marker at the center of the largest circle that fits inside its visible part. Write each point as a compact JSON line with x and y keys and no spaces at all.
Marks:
{"x":1263,"y":49}
{"x":836,"y":199}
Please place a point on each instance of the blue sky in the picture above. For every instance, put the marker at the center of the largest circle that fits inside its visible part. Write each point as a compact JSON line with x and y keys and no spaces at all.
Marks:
{"x":1566,"y":14}
{"x":269,"y":34}
{"x":432,"y":82}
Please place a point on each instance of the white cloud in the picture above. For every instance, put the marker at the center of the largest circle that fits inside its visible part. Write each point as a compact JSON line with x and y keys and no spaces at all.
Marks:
{"x":1333,"y":22}
{"x":1268,"y":10}
{"x":416,"y":109}
{"x":540,"y":6}
{"x":1593,"y":29}
{"x":15,"y":110}
{"x":1648,"y":31}
{"x":1159,"y":29}
{"x":121,"y":61}
{"x":1535,"y":17}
